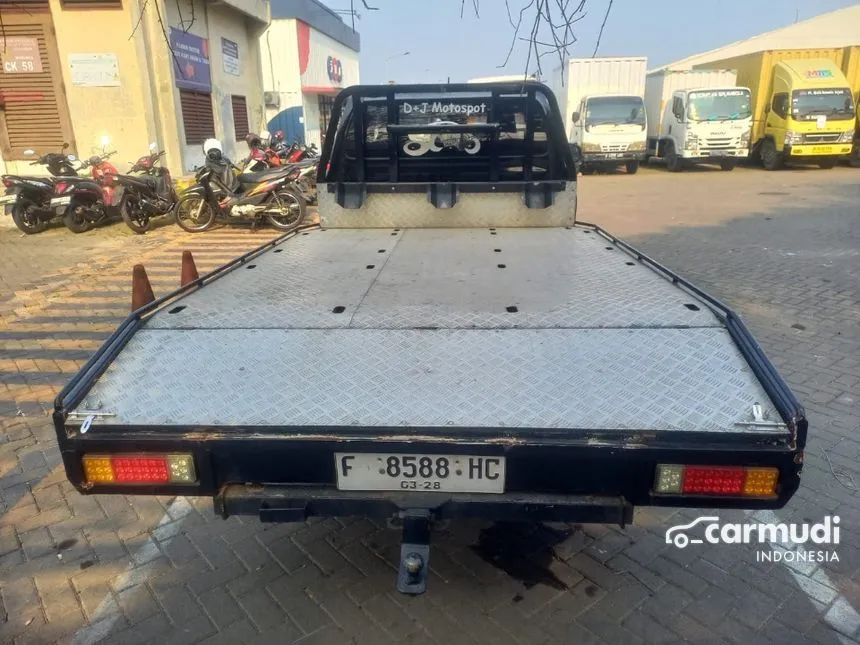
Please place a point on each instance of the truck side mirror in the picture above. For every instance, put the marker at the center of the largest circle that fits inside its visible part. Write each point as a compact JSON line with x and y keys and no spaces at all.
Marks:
{"x":575,"y":117}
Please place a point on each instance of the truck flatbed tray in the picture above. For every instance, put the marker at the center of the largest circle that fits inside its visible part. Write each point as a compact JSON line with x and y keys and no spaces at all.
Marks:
{"x":566,"y":331}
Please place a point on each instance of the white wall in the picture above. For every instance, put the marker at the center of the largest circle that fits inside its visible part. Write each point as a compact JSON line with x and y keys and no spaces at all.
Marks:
{"x":281,"y":48}
{"x":279,"y":53}
{"x":316,"y":74}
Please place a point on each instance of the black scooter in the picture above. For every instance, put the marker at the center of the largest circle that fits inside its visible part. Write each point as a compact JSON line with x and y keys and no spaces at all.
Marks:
{"x":30,"y":197}
{"x":147,"y":194}
{"x":224,"y":192}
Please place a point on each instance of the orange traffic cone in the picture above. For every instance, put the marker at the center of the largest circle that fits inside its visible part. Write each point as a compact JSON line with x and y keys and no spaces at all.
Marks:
{"x":189,"y":269}
{"x":141,"y":289}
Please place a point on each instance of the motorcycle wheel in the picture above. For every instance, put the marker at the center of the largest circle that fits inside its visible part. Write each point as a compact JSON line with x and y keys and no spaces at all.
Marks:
{"x":133,"y":215}
{"x":290,"y":208}
{"x":194,"y":214}
{"x":75,"y":221}
{"x":25,"y":218}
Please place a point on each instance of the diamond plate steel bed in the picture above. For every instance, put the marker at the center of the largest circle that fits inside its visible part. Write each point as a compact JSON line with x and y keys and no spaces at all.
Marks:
{"x":554,"y":328}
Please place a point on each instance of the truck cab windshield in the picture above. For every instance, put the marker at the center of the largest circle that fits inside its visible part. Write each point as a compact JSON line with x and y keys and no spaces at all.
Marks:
{"x":614,"y":110}
{"x":719,"y":105}
{"x":835,"y":103}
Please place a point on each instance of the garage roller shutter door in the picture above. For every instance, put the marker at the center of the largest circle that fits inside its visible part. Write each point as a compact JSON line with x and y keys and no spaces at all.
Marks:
{"x":33,"y":111}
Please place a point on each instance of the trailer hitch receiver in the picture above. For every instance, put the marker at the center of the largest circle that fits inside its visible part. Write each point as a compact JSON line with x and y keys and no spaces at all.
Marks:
{"x":414,"y":552}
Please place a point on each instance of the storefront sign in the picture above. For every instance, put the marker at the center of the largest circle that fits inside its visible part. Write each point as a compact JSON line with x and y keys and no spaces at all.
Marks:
{"x":438,"y":107}
{"x":191,"y":68}
{"x":334,"y":67}
{"x":94,"y":70}
{"x":230,"y":54}
{"x":20,"y":55}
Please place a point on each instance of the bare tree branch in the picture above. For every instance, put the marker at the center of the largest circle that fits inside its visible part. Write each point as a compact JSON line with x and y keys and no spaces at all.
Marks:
{"x":139,"y":18}
{"x":600,"y":34}
{"x":167,"y":39}
{"x":551,"y":30}
{"x":193,"y":17}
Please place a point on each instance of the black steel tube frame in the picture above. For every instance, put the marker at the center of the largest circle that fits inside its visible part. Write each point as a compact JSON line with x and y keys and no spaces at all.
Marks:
{"x":560,"y":159}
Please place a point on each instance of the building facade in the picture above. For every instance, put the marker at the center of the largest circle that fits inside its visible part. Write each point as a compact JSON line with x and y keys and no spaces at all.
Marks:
{"x":308,"y":56}
{"x":840,"y":28}
{"x":130,"y":72}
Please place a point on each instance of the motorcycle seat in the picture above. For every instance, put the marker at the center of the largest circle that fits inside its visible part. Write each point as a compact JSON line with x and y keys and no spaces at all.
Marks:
{"x":258,"y":177}
{"x":45,"y":180}
{"x":144,"y":180}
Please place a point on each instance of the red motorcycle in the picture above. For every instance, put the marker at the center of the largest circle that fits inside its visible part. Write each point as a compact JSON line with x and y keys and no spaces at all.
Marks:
{"x":87,"y":202}
{"x":261,"y":156}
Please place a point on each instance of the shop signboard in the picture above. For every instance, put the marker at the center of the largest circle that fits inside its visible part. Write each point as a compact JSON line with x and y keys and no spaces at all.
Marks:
{"x":191,"y":61}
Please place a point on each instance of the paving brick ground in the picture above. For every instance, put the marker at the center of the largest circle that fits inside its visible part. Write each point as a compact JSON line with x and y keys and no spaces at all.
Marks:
{"x":782,"y":248}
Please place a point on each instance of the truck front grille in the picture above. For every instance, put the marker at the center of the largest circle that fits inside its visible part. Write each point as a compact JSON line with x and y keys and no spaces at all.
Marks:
{"x":719,"y":143}
{"x":613,"y":147}
{"x":828,"y":137}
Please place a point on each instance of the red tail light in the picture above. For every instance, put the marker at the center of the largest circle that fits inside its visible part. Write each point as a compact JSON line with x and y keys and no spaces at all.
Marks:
{"x":8,"y":182}
{"x":139,"y":469}
{"x":746,"y":481}
{"x":60,"y":187}
{"x":713,"y":480}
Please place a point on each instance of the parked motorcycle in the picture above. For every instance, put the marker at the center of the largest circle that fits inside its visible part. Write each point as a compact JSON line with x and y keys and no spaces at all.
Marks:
{"x":30,"y":197}
{"x":88,"y":201}
{"x":224,"y":192}
{"x":147,"y":194}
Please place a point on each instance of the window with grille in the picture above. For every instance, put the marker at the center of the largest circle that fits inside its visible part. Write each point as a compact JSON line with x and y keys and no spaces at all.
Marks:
{"x":197,"y":116}
{"x":325,"y":103}
{"x":240,"y":117}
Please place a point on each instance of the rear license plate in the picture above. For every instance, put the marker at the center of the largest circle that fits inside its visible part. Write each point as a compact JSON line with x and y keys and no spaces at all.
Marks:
{"x":60,"y":201}
{"x":8,"y":199}
{"x":426,"y":473}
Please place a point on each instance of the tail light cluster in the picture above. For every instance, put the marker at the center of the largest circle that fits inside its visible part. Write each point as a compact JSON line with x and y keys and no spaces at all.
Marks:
{"x":8,"y":182}
{"x":139,"y":469}
{"x":733,"y":481}
{"x":60,"y":187}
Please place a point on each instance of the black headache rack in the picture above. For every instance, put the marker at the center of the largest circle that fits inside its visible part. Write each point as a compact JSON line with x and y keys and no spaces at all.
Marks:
{"x":443,"y":140}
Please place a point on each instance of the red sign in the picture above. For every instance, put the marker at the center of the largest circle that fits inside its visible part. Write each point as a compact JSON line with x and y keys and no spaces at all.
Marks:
{"x":20,"y":55}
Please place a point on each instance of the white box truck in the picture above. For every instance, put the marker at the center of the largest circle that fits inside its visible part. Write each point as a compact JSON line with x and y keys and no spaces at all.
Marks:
{"x":697,"y":116}
{"x":601,"y":100}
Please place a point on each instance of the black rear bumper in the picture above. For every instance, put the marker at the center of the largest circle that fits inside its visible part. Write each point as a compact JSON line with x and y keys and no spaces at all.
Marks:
{"x":294,"y":504}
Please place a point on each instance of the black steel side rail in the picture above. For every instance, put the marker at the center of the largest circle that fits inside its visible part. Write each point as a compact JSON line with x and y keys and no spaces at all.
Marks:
{"x":73,"y":391}
{"x":789,"y":408}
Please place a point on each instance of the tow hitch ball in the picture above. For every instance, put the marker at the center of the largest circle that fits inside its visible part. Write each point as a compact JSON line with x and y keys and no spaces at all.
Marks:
{"x":414,"y":552}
